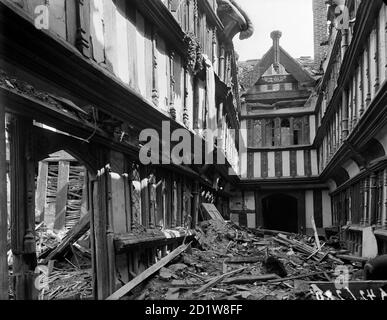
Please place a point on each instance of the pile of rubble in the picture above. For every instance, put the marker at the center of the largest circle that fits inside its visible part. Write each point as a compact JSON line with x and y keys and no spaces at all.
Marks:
{"x":69,"y":283}
{"x":232,"y":263}
{"x":68,"y":278}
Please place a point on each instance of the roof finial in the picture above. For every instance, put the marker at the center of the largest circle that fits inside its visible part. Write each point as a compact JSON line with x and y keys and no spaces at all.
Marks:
{"x":276,"y":35}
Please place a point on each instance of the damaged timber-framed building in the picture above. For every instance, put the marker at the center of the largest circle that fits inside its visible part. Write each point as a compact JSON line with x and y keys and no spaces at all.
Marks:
{"x":77,"y":91}
{"x":316,"y":132}
{"x":76,"y":96}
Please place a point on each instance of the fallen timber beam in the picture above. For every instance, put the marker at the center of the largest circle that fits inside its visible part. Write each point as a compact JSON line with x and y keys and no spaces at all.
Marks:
{"x":304,"y":248}
{"x":75,"y":233}
{"x":251,"y":279}
{"x":147,"y":273}
{"x":236,"y":260}
{"x":127,"y":242}
{"x":300,"y":276}
{"x":216,"y":280}
{"x":352,"y":258}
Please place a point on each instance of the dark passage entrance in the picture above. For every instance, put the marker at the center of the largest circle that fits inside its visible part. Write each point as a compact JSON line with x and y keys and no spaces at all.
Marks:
{"x":280,"y":213}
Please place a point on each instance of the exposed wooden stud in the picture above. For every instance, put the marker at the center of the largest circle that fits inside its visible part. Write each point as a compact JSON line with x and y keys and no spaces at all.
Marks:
{"x":372,"y":215}
{"x":85,"y":195}
{"x":196,"y":204}
{"x":128,"y":201}
{"x":145,"y":204}
{"x":107,"y":180}
{"x":101,"y":256}
{"x":61,"y":196}
{"x":90,"y":199}
{"x":152,"y":200}
{"x":174,"y":203}
{"x":41,"y":191}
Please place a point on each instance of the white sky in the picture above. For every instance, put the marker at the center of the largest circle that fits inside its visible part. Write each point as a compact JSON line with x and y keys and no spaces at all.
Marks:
{"x":293,"y":17}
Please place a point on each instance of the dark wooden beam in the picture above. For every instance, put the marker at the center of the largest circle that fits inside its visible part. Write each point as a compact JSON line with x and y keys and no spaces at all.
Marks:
{"x":75,"y":233}
{"x":22,"y":174}
{"x":3,"y":210}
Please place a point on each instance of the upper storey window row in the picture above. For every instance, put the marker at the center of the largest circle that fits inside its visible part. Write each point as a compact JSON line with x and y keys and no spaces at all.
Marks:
{"x":277,"y":87}
{"x":278,"y":132}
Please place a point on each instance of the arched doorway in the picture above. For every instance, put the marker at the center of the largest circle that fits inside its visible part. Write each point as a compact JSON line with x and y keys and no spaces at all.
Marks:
{"x":280,"y":213}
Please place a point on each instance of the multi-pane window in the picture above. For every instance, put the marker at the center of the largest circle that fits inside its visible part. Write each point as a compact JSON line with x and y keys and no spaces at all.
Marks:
{"x":278,"y":132}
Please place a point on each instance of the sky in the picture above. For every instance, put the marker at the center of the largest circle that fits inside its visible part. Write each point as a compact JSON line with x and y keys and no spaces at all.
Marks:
{"x":293,"y":17}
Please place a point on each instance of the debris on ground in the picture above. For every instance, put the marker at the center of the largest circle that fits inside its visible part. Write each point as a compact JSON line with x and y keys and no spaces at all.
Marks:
{"x":232,"y":263}
{"x":226,"y":262}
{"x":69,"y":284}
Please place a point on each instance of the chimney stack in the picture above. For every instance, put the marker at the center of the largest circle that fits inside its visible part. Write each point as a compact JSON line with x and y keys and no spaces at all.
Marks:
{"x":320,"y":30}
{"x":276,"y":35}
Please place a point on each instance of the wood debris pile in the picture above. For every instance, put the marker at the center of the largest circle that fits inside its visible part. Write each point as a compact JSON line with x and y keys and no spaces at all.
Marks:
{"x":69,"y":283}
{"x":232,"y":263}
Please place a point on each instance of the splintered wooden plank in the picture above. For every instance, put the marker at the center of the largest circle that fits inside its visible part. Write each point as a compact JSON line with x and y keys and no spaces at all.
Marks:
{"x":85,"y":195}
{"x":118,"y":203}
{"x":147,"y":273}
{"x":74,"y":234}
{"x":212,"y":211}
{"x":61,"y":196}
{"x":41,"y":191}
